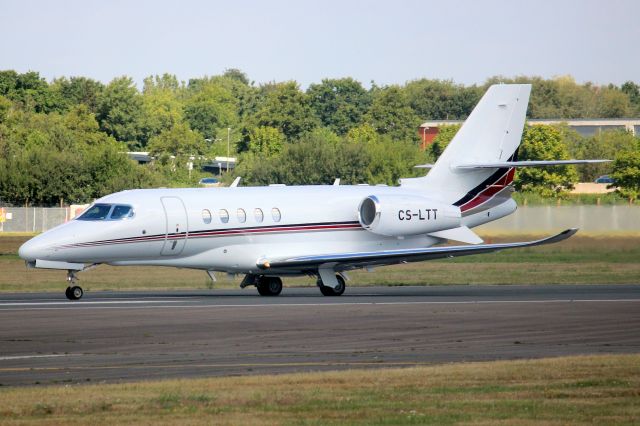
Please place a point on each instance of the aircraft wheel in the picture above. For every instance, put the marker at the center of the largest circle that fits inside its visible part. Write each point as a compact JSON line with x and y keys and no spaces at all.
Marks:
{"x":269,"y":286}
{"x":330,"y":291}
{"x":74,"y":293}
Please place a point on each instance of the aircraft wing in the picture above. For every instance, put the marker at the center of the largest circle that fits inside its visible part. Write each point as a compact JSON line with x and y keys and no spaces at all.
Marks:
{"x":354,"y":260}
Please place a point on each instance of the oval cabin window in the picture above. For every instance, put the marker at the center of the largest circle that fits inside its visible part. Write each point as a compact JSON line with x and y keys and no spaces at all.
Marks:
{"x":275,"y":213}
{"x":206,"y":216}
{"x":242,"y":216}
{"x":259,"y":215}
{"x":224,"y":216}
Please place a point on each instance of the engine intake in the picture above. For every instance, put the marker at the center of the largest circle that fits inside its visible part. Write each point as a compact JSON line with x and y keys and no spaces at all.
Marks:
{"x":403,"y":215}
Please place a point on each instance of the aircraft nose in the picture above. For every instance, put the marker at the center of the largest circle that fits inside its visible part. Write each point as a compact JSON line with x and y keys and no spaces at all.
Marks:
{"x":35,"y":248}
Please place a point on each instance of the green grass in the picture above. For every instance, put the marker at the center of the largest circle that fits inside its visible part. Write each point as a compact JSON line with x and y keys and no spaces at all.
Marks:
{"x":579,"y":260}
{"x":572,"y":390}
{"x":532,"y":199}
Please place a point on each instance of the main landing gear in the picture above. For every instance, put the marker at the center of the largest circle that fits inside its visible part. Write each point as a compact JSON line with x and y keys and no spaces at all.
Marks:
{"x":330,"y":291}
{"x":272,"y":286}
{"x":267,"y":286}
{"x":73,"y":291}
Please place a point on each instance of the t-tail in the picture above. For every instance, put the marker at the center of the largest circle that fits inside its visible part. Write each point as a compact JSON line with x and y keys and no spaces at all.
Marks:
{"x":476,"y":170}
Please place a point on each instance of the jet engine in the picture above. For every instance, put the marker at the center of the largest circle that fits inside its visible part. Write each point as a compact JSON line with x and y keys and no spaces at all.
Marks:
{"x":400,"y":215}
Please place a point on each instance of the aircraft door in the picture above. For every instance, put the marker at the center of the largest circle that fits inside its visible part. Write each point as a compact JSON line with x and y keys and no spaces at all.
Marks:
{"x":176,"y":226}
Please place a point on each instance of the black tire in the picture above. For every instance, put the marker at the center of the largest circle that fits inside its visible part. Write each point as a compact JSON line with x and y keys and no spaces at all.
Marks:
{"x":330,"y":291}
{"x":67,"y":293}
{"x":76,"y":292}
{"x":269,"y":286}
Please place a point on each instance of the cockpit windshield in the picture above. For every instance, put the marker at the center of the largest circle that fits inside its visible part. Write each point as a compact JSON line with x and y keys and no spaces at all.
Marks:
{"x":107,"y":212}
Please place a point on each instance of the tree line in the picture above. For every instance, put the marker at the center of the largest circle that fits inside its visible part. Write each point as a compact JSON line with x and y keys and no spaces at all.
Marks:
{"x":62,"y":141}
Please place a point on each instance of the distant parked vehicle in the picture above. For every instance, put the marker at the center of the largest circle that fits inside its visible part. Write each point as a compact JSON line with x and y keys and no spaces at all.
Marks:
{"x":605,"y":179}
{"x":209,"y":181}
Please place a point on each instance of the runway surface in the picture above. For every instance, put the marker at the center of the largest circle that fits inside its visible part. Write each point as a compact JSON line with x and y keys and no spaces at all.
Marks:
{"x":151,"y":335}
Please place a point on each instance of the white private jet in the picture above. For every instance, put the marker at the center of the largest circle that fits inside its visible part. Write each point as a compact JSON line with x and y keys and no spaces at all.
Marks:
{"x":323,"y":231}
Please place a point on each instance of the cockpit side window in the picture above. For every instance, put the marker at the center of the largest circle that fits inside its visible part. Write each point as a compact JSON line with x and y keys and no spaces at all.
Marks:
{"x":96,"y":212}
{"x":121,"y":212}
{"x":107,"y":212}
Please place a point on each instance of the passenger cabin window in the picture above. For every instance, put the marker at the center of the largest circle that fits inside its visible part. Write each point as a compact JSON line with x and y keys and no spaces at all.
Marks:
{"x":242,"y":216}
{"x":206,"y":216}
{"x":259,"y":215}
{"x":275,"y":214}
{"x":107,"y":212}
{"x":224,"y":216}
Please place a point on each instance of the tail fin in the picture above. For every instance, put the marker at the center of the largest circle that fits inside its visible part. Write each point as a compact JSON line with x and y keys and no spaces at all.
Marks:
{"x":491,"y":134}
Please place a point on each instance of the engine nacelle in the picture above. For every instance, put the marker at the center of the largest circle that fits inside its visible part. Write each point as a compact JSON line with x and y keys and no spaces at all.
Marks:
{"x":400,"y":215}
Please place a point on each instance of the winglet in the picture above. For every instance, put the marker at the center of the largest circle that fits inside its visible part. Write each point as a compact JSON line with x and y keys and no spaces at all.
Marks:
{"x":235,"y":182}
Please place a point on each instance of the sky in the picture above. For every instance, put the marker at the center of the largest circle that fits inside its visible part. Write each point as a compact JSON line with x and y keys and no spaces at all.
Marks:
{"x":389,"y":42}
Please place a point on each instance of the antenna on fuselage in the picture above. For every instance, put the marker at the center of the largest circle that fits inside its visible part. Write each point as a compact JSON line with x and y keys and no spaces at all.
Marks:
{"x":235,"y":182}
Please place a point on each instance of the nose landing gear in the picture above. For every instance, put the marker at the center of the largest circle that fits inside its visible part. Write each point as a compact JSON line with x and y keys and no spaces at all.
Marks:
{"x":73,"y":292}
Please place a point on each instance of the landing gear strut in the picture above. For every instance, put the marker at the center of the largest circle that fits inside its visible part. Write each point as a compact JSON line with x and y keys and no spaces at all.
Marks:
{"x":330,"y":291}
{"x":73,"y":292}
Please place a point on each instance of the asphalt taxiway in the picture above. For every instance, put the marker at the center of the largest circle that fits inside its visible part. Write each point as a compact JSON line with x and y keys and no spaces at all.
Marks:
{"x":125,"y":336}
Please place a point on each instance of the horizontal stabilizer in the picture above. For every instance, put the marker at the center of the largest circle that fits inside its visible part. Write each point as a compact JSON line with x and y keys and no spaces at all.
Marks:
{"x":531,"y":163}
{"x":462,"y":234}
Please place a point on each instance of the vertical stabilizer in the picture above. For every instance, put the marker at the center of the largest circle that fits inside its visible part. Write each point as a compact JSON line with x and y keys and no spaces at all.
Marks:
{"x":492,"y":133}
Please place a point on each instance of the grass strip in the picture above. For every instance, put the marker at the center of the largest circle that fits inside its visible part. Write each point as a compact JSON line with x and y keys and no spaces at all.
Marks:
{"x":579,"y":260}
{"x":601,"y":389}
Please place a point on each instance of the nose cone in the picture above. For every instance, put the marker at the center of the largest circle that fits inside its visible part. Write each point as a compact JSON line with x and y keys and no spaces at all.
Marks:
{"x":35,"y":248}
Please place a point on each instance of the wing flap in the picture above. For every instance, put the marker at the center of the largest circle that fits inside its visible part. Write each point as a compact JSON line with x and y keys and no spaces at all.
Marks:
{"x":462,"y":234}
{"x":345,"y":261}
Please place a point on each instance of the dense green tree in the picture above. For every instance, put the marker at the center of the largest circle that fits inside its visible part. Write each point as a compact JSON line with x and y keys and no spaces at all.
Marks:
{"x":120,"y":112}
{"x":390,"y":114}
{"x":161,"y":106}
{"x":178,"y":141}
{"x":211,"y":109}
{"x":288,"y":109}
{"x":442,"y":139}
{"x":632,"y":90}
{"x":8,"y":81}
{"x":5,"y":106}
{"x":364,"y":134}
{"x":164,"y":82}
{"x":626,"y":172}
{"x":318,"y":160}
{"x":339,"y":103}
{"x":237,"y":75}
{"x":544,"y":143}
{"x":613,"y":103}
{"x":441,"y":100}
{"x":266,"y":141}
{"x":604,"y":145}
{"x":49,"y":158}
{"x":307,"y":163}
{"x":30,"y":91}
{"x":78,"y":90}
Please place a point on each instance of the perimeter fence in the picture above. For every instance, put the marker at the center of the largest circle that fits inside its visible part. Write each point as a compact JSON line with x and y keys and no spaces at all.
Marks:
{"x":529,"y":219}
